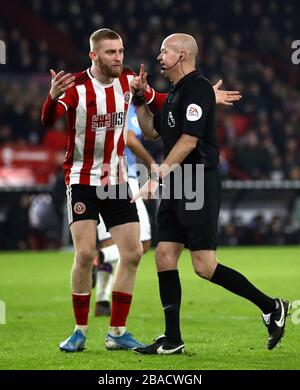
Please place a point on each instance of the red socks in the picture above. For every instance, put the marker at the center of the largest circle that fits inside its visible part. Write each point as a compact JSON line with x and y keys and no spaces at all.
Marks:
{"x":81,"y":306}
{"x":120,"y":308}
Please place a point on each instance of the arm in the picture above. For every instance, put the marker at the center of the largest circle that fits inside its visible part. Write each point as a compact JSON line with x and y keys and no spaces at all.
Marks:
{"x":178,"y":153}
{"x":52,"y":109}
{"x":139,"y":150}
{"x":225,"y":97}
{"x":146,"y":122}
{"x":144,"y":115}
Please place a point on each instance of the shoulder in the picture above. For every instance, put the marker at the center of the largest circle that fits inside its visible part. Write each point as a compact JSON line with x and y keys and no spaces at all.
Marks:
{"x":81,"y":77}
{"x":198,"y":82}
{"x":127,"y":71}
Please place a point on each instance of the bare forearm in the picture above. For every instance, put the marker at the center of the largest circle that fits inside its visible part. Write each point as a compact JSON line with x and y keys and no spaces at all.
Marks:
{"x":145,"y":118}
{"x":178,"y":153}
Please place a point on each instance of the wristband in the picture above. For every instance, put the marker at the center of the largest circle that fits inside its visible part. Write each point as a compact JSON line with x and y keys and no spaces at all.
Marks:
{"x":138,"y":100}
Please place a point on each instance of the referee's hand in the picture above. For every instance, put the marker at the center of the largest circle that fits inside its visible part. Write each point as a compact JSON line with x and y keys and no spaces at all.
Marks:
{"x":226,"y":97}
{"x":148,"y":191}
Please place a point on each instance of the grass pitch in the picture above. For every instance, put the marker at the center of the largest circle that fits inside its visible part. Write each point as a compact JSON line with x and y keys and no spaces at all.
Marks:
{"x":220,"y":330}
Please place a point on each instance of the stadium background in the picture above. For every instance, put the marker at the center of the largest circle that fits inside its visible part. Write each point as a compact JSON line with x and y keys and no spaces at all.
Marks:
{"x":247,"y":44}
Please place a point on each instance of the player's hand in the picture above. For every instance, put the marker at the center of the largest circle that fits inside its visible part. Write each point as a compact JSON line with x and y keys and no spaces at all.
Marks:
{"x":226,"y":97}
{"x":148,"y":191}
{"x":60,"y":83}
{"x":139,"y":83}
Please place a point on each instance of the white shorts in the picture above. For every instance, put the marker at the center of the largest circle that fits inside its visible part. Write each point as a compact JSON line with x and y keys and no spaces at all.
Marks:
{"x":145,"y":227}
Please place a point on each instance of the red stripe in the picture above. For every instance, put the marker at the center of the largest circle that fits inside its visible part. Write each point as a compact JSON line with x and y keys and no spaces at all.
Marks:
{"x":109,"y":137}
{"x":89,"y":143}
{"x":71,"y":122}
{"x":121,"y":142}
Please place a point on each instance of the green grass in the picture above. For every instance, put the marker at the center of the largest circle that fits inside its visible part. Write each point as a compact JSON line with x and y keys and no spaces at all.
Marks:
{"x":221,"y":331}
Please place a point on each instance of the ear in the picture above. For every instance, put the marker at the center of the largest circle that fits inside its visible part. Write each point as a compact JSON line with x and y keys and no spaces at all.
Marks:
{"x":92,"y":55}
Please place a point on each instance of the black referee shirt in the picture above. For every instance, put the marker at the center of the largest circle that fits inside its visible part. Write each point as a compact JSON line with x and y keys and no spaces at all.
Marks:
{"x":190,"y":109}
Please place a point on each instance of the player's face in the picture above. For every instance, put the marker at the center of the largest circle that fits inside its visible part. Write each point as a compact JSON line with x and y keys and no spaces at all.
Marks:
{"x":108,"y":56}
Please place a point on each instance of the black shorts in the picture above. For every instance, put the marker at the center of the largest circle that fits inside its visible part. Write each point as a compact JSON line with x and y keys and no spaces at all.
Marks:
{"x":196,"y":229}
{"x":83,"y":203}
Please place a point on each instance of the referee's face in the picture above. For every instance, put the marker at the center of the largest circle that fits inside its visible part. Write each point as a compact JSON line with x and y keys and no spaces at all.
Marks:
{"x":168,"y":59}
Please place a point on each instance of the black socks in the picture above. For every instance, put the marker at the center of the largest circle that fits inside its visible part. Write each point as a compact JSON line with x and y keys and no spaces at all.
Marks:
{"x":238,"y":284}
{"x":170,"y":295}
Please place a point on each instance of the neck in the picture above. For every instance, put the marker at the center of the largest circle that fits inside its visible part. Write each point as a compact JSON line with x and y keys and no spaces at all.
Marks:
{"x":102,"y":78}
{"x":183,"y":71}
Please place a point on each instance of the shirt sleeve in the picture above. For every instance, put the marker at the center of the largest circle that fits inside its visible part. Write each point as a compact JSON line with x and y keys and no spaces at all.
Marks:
{"x":157,"y":122}
{"x":199,"y":100}
{"x":67,"y":99}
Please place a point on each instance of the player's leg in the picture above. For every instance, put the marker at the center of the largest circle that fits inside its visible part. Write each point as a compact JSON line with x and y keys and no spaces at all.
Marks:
{"x":126,"y":237}
{"x":84,"y":239}
{"x":83,"y":217}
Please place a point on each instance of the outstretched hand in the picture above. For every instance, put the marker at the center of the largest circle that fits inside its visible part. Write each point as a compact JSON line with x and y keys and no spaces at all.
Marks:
{"x":226,"y":97}
{"x":60,"y":82}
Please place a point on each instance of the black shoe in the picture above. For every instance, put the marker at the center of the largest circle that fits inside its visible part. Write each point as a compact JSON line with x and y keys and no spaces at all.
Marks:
{"x":276,"y":323}
{"x":161,"y":346}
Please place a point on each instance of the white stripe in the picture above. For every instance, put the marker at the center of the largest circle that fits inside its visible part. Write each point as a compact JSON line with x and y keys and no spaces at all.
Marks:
{"x":100,"y":134}
{"x":114,"y":161}
{"x":69,"y":204}
{"x":80,"y":126}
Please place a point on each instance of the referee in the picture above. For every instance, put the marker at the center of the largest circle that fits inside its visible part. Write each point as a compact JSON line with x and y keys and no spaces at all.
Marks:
{"x":186,"y":125}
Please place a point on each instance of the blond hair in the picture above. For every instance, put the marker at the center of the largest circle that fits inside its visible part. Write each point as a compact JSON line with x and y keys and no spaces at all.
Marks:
{"x":101,"y":35}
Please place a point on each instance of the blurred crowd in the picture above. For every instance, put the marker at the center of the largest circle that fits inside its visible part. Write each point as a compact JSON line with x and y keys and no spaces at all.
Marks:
{"x":247,"y":44}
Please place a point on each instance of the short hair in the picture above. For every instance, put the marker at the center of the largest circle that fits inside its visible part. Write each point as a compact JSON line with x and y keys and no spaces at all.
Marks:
{"x":101,"y":35}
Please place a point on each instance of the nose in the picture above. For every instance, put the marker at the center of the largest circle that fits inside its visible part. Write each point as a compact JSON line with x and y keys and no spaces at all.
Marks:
{"x":159,"y":57}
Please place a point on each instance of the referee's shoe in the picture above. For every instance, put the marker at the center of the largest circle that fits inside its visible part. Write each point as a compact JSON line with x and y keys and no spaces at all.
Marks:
{"x":161,"y":346}
{"x":275,"y":322}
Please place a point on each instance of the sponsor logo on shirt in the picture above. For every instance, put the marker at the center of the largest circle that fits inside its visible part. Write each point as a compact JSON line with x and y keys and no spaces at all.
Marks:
{"x":193,"y":112}
{"x":110,"y":120}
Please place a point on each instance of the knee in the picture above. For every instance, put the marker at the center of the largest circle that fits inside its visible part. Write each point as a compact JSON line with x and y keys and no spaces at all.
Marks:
{"x":205,"y":268}
{"x":84,"y":257}
{"x":132,"y":257}
{"x":165,"y":260}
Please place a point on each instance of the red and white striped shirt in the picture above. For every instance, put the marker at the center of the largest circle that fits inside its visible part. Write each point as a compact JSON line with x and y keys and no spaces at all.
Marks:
{"x":97,"y":127}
